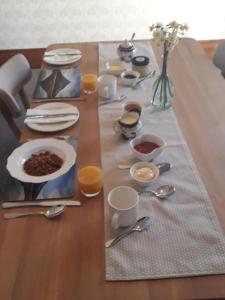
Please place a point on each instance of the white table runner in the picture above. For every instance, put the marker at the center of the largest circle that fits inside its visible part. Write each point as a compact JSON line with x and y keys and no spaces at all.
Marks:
{"x":185,"y":238}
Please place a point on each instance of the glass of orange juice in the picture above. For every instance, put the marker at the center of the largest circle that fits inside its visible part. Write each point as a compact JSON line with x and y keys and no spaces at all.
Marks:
{"x":89,"y":83}
{"x":90,"y":180}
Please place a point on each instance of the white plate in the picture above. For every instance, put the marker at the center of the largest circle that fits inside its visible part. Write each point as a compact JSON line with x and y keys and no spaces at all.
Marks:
{"x":53,"y":126}
{"x":62,"y":60}
{"x":18,"y":157}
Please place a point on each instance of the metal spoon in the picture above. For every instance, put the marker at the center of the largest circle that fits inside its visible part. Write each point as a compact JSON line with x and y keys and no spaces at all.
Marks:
{"x":162,"y":191}
{"x":50,"y":213}
{"x":149,"y":75}
{"x":139,"y":226}
{"x":132,"y":37}
{"x":119,"y":99}
{"x":163,"y":167}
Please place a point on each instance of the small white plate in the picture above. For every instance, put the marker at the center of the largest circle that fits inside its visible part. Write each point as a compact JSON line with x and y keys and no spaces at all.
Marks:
{"x":18,"y":157}
{"x":52,"y":127}
{"x":62,"y":59}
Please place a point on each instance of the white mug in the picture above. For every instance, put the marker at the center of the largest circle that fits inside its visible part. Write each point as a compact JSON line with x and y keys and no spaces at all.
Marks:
{"x":107,"y":86}
{"x":123,"y":202}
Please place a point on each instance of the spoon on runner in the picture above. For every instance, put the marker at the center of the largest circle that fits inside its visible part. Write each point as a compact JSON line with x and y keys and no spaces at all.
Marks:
{"x":119,"y":99}
{"x":149,"y":75}
{"x":162,"y":191}
{"x":139,"y":226}
{"x":49,"y":214}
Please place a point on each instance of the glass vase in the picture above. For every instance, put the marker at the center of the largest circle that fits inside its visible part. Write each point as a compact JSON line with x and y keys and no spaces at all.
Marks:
{"x":162,"y":91}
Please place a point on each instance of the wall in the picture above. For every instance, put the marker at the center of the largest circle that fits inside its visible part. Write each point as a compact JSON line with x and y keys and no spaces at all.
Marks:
{"x":36,"y":24}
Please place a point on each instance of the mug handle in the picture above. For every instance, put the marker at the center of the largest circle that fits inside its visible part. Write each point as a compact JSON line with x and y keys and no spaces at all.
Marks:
{"x":115,"y":221}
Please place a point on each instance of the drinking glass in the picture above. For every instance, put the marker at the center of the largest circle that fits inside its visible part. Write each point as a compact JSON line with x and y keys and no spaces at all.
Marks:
{"x":90,"y":180}
{"x":89,"y":83}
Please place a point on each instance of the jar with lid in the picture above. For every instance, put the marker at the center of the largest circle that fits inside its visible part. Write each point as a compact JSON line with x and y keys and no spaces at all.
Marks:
{"x":141,"y":65}
{"x":126,"y":51}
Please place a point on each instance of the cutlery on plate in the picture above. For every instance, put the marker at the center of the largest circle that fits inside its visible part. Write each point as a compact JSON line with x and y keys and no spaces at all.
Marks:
{"x":49,"y":54}
{"x":139,"y":226}
{"x":119,"y":99}
{"x":41,"y":203}
{"x":149,"y":75}
{"x":57,"y":100}
{"x":33,"y":116}
{"x":49,"y":214}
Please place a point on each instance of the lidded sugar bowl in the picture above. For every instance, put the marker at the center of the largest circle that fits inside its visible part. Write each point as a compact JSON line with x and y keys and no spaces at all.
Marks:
{"x":126,"y":50}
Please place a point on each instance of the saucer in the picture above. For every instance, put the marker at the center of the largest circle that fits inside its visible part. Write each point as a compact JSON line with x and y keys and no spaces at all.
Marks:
{"x":127,"y":133}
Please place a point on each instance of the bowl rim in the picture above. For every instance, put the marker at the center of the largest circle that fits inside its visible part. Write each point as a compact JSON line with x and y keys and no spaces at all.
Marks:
{"x":142,"y":137}
{"x":129,"y":113}
{"x":138,"y":107}
{"x":151,"y":165}
{"x":136,"y":73}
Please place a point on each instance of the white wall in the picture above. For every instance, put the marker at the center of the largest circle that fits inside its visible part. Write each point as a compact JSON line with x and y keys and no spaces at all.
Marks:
{"x":38,"y":23}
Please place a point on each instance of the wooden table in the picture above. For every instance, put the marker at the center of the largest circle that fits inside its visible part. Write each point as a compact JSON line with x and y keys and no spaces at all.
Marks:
{"x":64,"y":258}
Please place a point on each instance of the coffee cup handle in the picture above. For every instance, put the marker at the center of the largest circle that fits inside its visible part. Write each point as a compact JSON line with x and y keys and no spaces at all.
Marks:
{"x":115,"y":221}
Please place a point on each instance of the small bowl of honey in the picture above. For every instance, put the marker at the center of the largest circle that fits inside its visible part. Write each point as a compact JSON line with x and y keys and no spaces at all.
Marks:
{"x":143,"y":173}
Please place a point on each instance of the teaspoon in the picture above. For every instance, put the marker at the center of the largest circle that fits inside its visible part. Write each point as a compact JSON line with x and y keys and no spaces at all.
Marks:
{"x":49,"y":214}
{"x":139,"y":226}
{"x":149,"y":75}
{"x":132,"y":37}
{"x":162,"y":191}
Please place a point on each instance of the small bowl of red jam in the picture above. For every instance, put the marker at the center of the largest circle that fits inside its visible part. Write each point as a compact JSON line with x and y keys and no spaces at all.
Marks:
{"x":129,"y":78}
{"x":147,"y":147}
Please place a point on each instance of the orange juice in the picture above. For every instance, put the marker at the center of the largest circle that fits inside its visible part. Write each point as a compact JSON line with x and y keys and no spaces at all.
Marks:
{"x":90,"y":180}
{"x":89,"y":83}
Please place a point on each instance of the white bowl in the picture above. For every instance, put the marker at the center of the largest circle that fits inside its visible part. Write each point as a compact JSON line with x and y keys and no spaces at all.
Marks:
{"x":18,"y":157}
{"x":143,"y":176}
{"x":129,"y":81}
{"x":147,"y":138}
{"x":133,"y":106}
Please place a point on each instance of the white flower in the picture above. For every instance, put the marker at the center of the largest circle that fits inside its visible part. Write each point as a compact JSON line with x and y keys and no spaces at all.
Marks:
{"x":167,"y":35}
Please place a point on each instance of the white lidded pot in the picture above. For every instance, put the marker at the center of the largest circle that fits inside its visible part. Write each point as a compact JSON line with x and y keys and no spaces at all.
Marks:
{"x":126,"y":51}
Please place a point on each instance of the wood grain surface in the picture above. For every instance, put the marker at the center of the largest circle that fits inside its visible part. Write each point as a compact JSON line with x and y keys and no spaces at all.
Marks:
{"x":64,"y":258}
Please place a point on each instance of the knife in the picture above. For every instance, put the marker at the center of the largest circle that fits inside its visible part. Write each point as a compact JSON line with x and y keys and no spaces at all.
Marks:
{"x":41,"y":203}
{"x":50,"y":115}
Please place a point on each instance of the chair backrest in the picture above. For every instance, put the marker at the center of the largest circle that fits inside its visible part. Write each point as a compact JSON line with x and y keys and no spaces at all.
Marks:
{"x":219,"y":57}
{"x":14,"y":74}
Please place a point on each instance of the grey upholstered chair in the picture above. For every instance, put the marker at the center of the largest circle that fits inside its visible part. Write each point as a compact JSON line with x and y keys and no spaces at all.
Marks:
{"x":219,"y":58}
{"x":14,"y":74}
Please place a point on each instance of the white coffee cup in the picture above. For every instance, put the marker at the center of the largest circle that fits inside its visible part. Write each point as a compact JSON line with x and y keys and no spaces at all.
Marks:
{"x":107,"y":86}
{"x":123,"y":202}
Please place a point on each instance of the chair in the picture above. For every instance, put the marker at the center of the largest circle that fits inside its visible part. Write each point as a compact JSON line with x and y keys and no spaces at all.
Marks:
{"x":14,"y":74}
{"x":219,"y":58}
